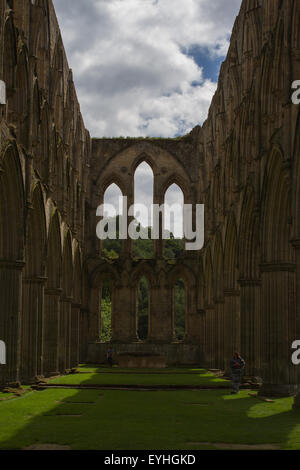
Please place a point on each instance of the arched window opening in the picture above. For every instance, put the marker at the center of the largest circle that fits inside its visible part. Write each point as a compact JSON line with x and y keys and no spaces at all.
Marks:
{"x":179,"y":310}
{"x":143,"y":305}
{"x":173,"y":222}
{"x":143,"y":246}
{"x":106,"y":310}
{"x":113,"y":209}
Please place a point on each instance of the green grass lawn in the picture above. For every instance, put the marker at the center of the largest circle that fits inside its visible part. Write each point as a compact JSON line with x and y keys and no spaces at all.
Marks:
{"x":120,"y":420}
{"x":103,"y":376}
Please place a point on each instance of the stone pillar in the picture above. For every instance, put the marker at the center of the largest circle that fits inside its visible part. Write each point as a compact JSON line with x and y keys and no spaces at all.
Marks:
{"x":159,"y":244}
{"x":51,"y":331}
{"x":231,"y":325}
{"x":65,"y":334}
{"x":83,"y":334}
{"x":161,"y":313}
{"x":210,"y":337}
{"x":10,"y":318}
{"x":219,"y":335}
{"x":251,"y":325}
{"x":75,"y":314}
{"x":296,"y":245}
{"x":124,"y":319}
{"x":32,"y":329}
{"x":201,"y":314}
{"x":278,"y":329}
{"x":192,"y":318}
{"x":94,"y":320}
{"x":127,"y":247}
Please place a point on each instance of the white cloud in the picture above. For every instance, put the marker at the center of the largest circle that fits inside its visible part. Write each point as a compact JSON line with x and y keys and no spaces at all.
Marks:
{"x":131,"y":74}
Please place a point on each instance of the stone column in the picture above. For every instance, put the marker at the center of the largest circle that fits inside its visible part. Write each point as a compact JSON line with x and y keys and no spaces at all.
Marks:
{"x":231,"y":325}
{"x":159,"y":244}
{"x":75,"y":314}
{"x":161,"y":325}
{"x":94,"y":320}
{"x":219,"y":334}
{"x":51,"y":331}
{"x":127,"y":244}
{"x":201,"y":320}
{"x":10,"y":318}
{"x":83,"y":334}
{"x":209,"y":335}
{"x":192,"y":318}
{"x":65,"y":334}
{"x":251,"y":325}
{"x":32,"y":329}
{"x":296,"y":245}
{"x":278,"y":329}
{"x":124,"y":320}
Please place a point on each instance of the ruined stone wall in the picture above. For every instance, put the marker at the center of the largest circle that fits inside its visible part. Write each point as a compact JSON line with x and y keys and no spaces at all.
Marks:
{"x":249,"y":181}
{"x":243,"y":164}
{"x":44,"y":157}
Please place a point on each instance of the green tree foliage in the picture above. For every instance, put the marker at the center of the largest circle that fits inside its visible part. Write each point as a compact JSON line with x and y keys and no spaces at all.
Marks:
{"x":143,"y":248}
{"x":179,"y":307}
{"x":112,"y":248}
{"x":105,"y":333}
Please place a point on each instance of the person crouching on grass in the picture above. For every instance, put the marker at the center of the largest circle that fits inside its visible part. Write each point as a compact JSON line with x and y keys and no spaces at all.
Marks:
{"x":237,"y":365}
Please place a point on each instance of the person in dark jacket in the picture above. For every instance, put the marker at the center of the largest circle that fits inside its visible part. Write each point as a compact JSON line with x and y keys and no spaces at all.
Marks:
{"x":237,"y":365}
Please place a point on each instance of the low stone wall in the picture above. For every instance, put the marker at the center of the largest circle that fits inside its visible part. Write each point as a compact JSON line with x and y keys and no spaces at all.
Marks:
{"x":175,"y":354}
{"x":141,"y":361}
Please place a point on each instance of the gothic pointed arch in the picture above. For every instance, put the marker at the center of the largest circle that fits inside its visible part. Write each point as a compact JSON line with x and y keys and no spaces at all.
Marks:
{"x":144,"y":270}
{"x":9,"y":54}
{"x":54,"y":252}
{"x":36,"y":240}
{"x":11,"y":206}
{"x":276,"y":233}
{"x":183,"y":272}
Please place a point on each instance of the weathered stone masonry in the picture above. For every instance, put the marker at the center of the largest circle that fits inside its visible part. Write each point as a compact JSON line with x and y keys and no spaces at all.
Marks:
{"x":243,"y":164}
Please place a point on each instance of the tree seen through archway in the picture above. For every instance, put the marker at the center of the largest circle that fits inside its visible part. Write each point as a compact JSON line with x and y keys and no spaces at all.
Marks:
{"x":106,"y":309}
{"x":143,"y":308}
{"x":179,"y":309}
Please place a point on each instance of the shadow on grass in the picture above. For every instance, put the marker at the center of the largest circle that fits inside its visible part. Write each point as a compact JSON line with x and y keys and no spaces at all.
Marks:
{"x":173,"y":378}
{"x":95,"y":420}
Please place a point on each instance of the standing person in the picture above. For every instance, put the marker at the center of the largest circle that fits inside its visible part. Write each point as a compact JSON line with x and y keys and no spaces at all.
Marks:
{"x":237,"y":365}
{"x":110,"y":354}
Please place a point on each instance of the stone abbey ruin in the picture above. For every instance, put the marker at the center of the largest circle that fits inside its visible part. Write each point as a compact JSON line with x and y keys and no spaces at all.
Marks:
{"x":243,"y":164}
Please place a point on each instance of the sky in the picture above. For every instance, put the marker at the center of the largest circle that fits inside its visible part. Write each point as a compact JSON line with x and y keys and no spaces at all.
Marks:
{"x":145,"y":68}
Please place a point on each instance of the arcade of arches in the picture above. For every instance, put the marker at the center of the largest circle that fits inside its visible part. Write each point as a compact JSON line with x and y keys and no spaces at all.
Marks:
{"x":242,"y":290}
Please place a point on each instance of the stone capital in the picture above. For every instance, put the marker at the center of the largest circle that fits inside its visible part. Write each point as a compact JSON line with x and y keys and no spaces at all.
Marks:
{"x":277,"y":267}
{"x":8,"y":264}
{"x":35,"y":280}
{"x":249,"y":282}
{"x":66,"y":300}
{"x":76,"y":305}
{"x":295,"y":243}
{"x":231,"y":293}
{"x":55,"y":291}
